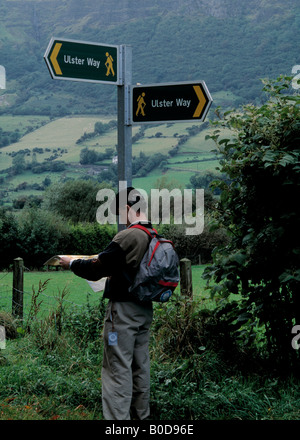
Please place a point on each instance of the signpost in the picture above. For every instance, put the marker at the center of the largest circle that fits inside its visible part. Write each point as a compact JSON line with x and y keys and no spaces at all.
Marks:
{"x":74,"y":60}
{"x":184,"y":101}
{"x":83,"y":61}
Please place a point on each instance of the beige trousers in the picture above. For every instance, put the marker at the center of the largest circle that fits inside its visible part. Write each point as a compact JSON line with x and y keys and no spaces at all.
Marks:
{"x":126,"y":365}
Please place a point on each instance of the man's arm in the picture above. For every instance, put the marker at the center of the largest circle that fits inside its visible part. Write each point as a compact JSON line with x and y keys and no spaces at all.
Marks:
{"x":108,"y":262}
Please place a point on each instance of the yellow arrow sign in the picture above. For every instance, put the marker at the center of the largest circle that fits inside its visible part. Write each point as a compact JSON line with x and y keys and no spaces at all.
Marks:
{"x":54,"y":60}
{"x":202,"y":101}
{"x":182,"y":101}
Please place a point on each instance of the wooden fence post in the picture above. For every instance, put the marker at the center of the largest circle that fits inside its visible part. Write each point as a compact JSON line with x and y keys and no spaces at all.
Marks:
{"x":186,"y":284}
{"x":18,"y":288}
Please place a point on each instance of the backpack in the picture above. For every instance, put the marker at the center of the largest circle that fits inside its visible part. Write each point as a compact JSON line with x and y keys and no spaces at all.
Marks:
{"x":158,"y":273}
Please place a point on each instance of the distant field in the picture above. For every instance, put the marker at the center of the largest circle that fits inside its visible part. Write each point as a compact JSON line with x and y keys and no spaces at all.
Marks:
{"x":59,"y":137}
{"x":22,"y":123}
{"x":62,"y":132}
{"x":195,"y":167}
{"x":153,"y":145}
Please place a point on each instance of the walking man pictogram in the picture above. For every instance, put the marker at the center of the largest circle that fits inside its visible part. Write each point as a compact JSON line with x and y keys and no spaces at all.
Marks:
{"x":141,"y":105}
{"x":109,"y":65}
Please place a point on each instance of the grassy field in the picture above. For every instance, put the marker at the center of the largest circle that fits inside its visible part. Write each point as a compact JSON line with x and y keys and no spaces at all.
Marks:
{"x":48,"y":375}
{"x":22,"y":123}
{"x":78,"y":290}
{"x":59,"y":137}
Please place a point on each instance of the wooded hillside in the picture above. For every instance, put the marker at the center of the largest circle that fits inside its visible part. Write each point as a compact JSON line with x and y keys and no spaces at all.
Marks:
{"x":229,"y":44}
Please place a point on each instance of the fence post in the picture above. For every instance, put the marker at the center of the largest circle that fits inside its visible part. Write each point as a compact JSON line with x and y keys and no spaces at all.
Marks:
{"x":18,"y":288}
{"x":186,"y":284}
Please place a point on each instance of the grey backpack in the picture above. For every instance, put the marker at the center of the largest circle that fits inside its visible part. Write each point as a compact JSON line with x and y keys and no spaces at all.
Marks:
{"x":158,"y":273}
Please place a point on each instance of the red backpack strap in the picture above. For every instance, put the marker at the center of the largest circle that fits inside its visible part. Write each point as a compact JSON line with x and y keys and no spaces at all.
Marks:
{"x":147,"y":230}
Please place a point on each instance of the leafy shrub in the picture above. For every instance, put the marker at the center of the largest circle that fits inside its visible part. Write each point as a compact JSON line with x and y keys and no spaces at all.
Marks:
{"x":41,"y":235}
{"x":9,"y":238}
{"x":195,"y":246}
{"x":86,"y":324}
{"x":259,"y":210}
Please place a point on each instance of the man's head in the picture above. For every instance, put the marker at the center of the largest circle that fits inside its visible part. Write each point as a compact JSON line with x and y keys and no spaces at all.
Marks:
{"x":129,"y":202}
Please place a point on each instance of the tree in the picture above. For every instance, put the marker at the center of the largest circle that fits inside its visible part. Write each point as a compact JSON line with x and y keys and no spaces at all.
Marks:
{"x":74,"y":200}
{"x":88,"y":156}
{"x":18,"y":163}
{"x":42,"y":234}
{"x":259,"y":206}
{"x":9,"y":234}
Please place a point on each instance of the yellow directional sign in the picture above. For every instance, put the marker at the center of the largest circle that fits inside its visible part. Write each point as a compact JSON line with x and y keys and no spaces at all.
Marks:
{"x":83,"y":61}
{"x":53,"y":58}
{"x":184,"y":101}
{"x":202,"y":101}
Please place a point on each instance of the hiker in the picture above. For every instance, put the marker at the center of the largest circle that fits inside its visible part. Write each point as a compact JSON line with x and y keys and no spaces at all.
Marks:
{"x":126,"y":364}
{"x":109,"y":65}
{"x":141,"y":105}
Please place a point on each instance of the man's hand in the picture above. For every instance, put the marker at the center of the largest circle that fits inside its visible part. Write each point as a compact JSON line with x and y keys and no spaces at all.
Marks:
{"x":65,"y":262}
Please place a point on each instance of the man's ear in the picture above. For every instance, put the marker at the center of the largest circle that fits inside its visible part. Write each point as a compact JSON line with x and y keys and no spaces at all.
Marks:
{"x":132,"y":214}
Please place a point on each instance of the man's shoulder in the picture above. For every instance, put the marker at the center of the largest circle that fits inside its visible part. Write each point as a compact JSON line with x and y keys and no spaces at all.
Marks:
{"x":132,"y":236}
{"x":130,"y":233}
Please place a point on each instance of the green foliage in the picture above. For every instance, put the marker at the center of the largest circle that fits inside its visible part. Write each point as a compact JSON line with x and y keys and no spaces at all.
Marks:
{"x":8,"y":137}
{"x":58,"y":361}
{"x":74,"y":200}
{"x":99,"y":129}
{"x":259,"y":208}
{"x":88,"y":156}
{"x":194,"y":246}
{"x":198,"y":372}
{"x":9,"y":235}
{"x":18,"y":163}
{"x":142,"y":165}
{"x":56,"y":166}
{"x":89,"y":238}
{"x":204,"y":180}
{"x":40,"y":236}
{"x":177,"y":38}
{"x":86,"y":326}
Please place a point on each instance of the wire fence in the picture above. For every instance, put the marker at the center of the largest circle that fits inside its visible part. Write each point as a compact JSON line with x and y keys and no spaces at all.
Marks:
{"x":25,"y":304}
{"x":20,"y":302}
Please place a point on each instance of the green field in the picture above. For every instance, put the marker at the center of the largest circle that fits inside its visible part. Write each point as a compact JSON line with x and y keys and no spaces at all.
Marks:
{"x":57,"y":138}
{"x":77,"y":288}
{"x":79,"y":292}
{"x":177,"y":178}
{"x":22,"y":123}
{"x":53,"y":375}
{"x":60,"y":133}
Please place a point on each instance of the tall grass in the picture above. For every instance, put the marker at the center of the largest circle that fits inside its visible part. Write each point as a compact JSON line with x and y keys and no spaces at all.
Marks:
{"x":52,"y":369}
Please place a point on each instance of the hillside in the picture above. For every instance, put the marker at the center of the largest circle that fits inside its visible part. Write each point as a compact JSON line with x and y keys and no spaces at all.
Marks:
{"x":52,"y":152}
{"x":228,"y":43}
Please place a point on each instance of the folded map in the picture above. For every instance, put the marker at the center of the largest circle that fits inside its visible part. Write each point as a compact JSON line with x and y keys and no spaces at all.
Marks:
{"x":97,"y":286}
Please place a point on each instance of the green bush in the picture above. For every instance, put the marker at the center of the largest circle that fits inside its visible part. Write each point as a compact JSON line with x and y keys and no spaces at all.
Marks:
{"x":89,"y":238}
{"x":41,"y":234}
{"x":9,"y":238}
{"x":259,"y":208}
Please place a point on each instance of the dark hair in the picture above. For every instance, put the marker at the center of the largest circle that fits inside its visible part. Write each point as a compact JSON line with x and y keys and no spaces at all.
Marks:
{"x":129,"y":196}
